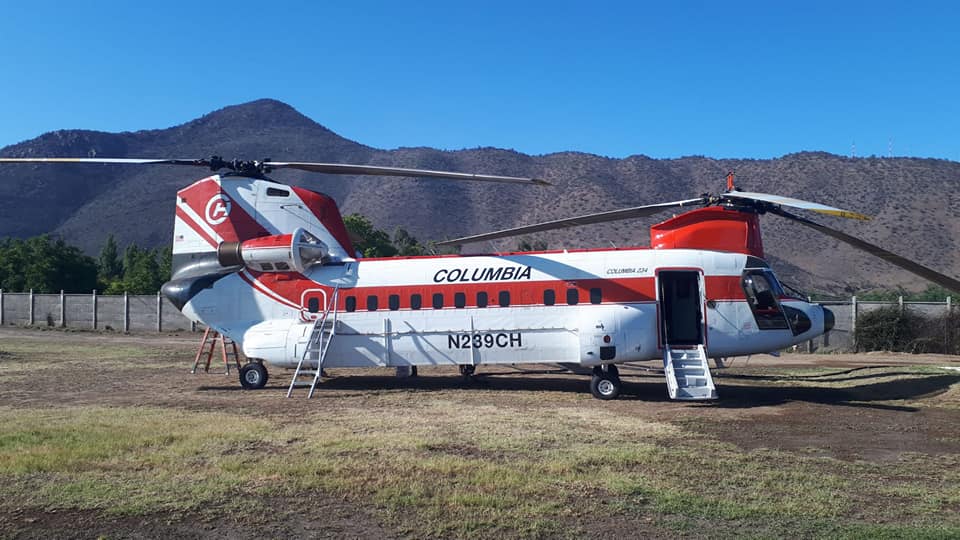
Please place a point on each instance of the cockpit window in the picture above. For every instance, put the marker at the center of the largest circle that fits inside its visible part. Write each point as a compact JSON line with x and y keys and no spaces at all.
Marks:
{"x":763,"y":290}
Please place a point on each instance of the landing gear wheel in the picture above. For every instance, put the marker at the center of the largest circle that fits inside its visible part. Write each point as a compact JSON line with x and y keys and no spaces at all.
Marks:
{"x":605,"y":383}
{"x":253,"y":376}
{"x":468,"y":371}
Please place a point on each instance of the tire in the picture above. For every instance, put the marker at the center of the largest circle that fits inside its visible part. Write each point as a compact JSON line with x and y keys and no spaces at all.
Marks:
{"x":605,"y":385}
{"x":253,"y":376}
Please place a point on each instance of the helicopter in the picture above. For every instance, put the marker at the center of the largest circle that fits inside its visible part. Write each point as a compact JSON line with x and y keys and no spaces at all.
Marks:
{"x":273,"y":268}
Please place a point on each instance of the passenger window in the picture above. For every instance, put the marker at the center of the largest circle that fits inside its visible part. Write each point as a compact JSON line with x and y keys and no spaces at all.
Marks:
{"x":351,"y":304}
{"x":573,"y":296}
{"x":482,"y":299}
{"x":394,"y":302}
{"x":371,"y":303}
{"x":438,"y":301}
{"x":459,"y":300}
{"x":549,"y":297}
{"x":313,"y":305}
{"x":274,"y":192}
{"x":504,"y":298}
{"x":596,"y":296}
{"x":283,"y":266}
{"x":416,"y":301}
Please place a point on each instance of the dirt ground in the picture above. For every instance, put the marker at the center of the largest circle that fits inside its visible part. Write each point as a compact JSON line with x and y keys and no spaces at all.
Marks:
{"x":766,"y":402}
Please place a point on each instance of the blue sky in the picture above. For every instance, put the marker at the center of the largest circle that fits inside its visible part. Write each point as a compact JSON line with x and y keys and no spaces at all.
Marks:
{"x":664,"y":79}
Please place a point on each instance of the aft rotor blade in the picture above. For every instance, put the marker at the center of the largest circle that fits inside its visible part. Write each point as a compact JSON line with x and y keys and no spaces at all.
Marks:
{"x":343,"y":168}
{"x":130,"y":161}
{"x":877,"y":251}
{"x":796,"y":203}
{"x":600,"y":217}
{"x":259,"y":168}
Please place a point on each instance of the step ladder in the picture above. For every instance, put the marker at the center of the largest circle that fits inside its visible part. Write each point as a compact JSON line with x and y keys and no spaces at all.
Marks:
{"x":324,"y":328}
{"x":228,"y":348}
{"x":688,"y":373}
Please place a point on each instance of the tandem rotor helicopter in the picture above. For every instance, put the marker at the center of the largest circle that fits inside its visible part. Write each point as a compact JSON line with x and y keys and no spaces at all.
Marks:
{"x":272,"y":267}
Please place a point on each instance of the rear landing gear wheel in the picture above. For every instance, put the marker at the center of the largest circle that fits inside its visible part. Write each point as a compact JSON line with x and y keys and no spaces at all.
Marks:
{"x":253,"y":376}
{"x":605,"y":383}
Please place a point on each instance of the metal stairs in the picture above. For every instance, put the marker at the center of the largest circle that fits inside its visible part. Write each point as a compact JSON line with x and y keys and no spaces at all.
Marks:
{"x":688,"y":374}
{"x":311,"y":362}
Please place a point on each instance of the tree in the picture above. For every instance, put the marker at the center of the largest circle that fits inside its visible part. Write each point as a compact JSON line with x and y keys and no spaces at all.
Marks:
{"x":368,"y":240}
{"x":406,"y":244}
{"x":45,"y":265}
{"x":527,"y":245}
{"x":109,"y":267}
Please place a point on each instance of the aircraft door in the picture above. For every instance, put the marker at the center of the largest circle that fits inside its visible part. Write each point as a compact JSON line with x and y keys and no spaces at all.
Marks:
{"x":680,"y":307}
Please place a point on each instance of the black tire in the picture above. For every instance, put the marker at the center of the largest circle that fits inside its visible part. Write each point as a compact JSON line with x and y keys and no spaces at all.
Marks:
{"x":468,"y":371}
{"x":605,"y":385}
{"x":253,"y":376}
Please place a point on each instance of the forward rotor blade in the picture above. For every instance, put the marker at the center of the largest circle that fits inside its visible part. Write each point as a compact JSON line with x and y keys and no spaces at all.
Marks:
{"x":601,"y":217}
{"x":342,"y":168}
{"x":796,"y":203}
{"x":877,"y":251}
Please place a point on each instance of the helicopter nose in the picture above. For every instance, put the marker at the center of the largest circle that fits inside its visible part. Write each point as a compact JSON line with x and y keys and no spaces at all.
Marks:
{"x":828,"y":319}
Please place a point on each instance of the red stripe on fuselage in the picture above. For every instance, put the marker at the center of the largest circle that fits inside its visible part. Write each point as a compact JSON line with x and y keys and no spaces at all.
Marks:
{"x":291,"y":287}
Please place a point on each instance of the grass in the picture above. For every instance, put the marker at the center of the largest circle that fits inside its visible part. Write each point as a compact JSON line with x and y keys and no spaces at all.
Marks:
{"x":454,"y":463}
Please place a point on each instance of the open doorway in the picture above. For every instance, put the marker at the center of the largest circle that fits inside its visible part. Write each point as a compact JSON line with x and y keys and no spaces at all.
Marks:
{"x":681,"y":308}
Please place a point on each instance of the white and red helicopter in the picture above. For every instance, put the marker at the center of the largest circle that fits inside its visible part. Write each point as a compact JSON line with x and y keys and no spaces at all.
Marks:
{"x":273,"y":268}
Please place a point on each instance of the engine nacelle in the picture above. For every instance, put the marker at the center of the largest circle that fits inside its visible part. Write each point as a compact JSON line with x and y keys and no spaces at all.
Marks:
{"x":278,"y":253}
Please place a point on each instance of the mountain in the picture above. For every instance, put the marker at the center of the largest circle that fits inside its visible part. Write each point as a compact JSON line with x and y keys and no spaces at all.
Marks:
{"x":915,"y":202}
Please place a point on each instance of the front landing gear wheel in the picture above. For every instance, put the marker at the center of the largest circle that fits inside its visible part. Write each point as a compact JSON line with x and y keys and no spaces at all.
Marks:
{"x":253,"y":376}
{"x":467,"y":371}
{"x":605,"y":383}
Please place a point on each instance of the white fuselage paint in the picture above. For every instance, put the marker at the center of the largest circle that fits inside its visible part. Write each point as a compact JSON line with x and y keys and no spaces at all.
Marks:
{"x":273,"y":328}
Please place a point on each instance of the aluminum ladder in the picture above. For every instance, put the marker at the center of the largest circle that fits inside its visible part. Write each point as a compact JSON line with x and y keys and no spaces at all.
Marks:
{"x":324,"y":329}
{"x":688,"y":373}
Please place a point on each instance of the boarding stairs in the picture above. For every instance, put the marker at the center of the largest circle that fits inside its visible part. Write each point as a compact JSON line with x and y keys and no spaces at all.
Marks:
{"x":310,"y":366}
{"x":208,"y":345}
{"x":688,"y":374}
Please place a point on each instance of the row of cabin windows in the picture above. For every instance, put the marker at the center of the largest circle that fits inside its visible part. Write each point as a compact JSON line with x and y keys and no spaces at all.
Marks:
{"x":460,"y":299}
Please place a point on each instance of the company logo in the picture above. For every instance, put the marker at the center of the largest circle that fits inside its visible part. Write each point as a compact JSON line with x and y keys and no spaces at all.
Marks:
{"x":218,"y":209}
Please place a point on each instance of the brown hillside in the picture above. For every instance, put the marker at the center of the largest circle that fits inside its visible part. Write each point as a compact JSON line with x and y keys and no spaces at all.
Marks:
{"x":914,"y":201}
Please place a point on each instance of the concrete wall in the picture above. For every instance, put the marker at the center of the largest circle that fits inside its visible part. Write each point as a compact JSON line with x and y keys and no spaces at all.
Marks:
{"x":136,"y":313}
{"x":840,"y":339}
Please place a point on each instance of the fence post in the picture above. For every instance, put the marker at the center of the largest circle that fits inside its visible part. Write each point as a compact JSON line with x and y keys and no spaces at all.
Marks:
{"x":94,"y":310}
{"x":30,"y":312}
{"x":1,"y":307}
{"x":946,"y":326}
{"x":63,"y":309}
{"x":853,"y":321}
{"x":126,"y":312}
{"x":900,"y":303}
{"x":159,"y":313}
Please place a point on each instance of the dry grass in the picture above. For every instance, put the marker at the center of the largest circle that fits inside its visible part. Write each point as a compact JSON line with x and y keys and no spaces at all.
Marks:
{"x":453,"y":463}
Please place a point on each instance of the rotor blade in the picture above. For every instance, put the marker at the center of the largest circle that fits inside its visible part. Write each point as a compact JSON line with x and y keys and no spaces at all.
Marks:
{"x":892,"y":258}
{"x":796,"y":203}
{"x":342,"y":168}
{"x":601,"y":217}
{"x":261,"y":167}
{"x":196,"y":162}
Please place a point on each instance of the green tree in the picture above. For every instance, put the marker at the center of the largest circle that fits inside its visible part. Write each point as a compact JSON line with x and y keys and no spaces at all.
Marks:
{"x":406,"y":244}
{"x":368,"y":240}
{"x":531,"y":245}
{"x":45,"y":265}
{"x":109,"y":267}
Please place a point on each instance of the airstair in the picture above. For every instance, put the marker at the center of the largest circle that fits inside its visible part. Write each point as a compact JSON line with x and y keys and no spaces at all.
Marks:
{"x":310,"y":367}
{"x":688,"y":374}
